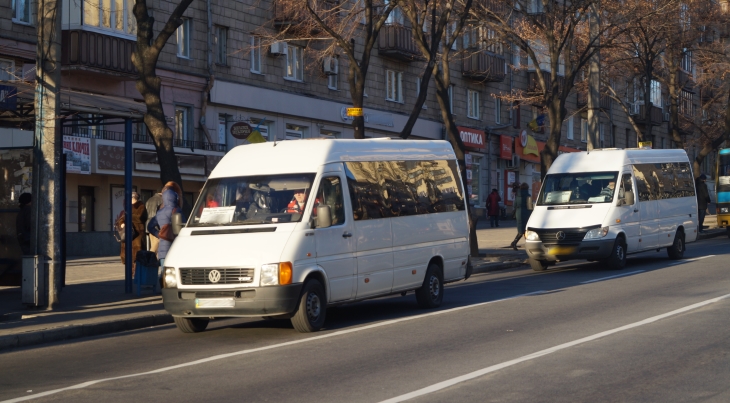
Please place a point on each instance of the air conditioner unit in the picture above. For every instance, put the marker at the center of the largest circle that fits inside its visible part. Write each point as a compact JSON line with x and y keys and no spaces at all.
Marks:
{"x":330,"y":66}
{"x":665,"y":116}
{"x":514,"y":162}
{"x":279,"y":48}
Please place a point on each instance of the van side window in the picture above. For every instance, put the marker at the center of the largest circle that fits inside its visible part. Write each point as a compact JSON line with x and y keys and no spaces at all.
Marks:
{"x":661,"y":181}
{"x":330,"y":194}
{"x":626,"y":186}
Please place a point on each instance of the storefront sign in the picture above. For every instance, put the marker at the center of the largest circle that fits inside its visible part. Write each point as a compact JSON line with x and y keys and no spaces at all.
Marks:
{"x":505,"y":147}
{"x":78,"y":154}
{"x":241,"y":130}
{"x":472,"y":138}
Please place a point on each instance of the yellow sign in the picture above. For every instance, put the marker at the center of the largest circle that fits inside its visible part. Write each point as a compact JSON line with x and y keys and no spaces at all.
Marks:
{"x":354,"y":111}
{"x":256,"y":137}
{"x":645,"y":144}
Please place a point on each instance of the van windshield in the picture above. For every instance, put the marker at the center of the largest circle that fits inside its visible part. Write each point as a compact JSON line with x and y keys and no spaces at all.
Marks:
{"x":578,"y":188}
{"x":247,"y":200}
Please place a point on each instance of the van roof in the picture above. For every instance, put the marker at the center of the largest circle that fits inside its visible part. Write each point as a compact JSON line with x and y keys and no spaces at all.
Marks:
{"x":296,"y":156}
{"x":613,"y":160}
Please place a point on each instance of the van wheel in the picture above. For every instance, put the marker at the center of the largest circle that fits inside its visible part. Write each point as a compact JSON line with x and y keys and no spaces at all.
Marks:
{"x":431,"y":292}
{"x":617,"y":260}
{"x":538,"y":265}
{"x":190,"y":325}
{"x":676,"y":251}
{"x":312,"y":308}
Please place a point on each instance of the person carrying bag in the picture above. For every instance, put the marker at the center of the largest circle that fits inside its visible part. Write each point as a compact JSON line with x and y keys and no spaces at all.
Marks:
{"x":161,"y":224}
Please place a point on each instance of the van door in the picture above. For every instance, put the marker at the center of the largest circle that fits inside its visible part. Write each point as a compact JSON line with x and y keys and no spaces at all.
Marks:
{"x":629,"y":214}
{"x":647,"y":190}
{"x":335,"y":244}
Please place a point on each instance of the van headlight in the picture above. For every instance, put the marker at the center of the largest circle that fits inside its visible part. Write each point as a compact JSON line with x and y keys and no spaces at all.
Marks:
{"x":532,"y":236}
{"x":170,"y":279}
{"x":724,"y":210}
{"x":596,"y":233}
{"x":276,"y":273}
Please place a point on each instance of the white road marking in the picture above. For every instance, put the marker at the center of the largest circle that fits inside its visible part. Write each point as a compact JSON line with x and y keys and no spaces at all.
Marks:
{"x":494,"y":368}
{"x":255,"y":350}
{"x":690,"y":260}
{"x":609,"y":277}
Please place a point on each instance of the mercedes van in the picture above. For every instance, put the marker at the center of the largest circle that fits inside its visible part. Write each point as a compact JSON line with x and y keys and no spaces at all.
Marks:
{"x":286,"y":229}
{"x":601,"y":205}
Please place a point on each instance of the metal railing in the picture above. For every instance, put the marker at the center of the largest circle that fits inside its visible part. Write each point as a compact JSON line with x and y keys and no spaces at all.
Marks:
{"x":140,"y":138}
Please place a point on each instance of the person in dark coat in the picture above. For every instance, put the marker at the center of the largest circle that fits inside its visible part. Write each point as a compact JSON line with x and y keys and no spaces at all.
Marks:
{"x":703,"y":199}
{"x":152,"y":204}
{"x":23,"y":223}
{"x":170,"y":205}
{"x":522,"y":213}
{"x":493,"y":208}
{"x":139,"y":218}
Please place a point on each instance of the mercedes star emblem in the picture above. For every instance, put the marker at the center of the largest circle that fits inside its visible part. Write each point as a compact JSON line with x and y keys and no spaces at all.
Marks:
{"x":560,"y":235}
{"x":214,"y":276}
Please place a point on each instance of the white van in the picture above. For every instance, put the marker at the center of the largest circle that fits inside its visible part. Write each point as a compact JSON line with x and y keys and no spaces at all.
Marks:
{"x":604,"y":204}
{"x":378,"y":217}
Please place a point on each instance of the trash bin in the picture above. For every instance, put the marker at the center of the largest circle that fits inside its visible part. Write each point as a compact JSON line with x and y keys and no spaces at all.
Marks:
{"x":146,"y":272}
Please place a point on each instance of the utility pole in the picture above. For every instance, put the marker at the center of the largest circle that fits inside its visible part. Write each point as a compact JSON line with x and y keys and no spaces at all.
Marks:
{"x":47,"y":197}
{"x":594,"y":80}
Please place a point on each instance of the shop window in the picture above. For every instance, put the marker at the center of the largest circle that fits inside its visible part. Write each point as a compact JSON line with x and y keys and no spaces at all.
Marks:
{"x":294,"y":132}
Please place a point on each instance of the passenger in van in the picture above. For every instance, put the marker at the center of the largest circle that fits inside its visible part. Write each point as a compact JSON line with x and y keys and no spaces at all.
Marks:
{"x":608,"y":190}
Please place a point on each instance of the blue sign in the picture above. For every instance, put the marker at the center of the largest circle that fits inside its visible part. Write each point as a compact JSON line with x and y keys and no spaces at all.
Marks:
{"x":8,"y":98}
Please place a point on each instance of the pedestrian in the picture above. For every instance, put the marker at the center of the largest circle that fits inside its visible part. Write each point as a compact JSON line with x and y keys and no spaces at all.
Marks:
{"x":493,"y":208}
{"x":23,"y":223}
{"x":139,"y":218}
{"x":152,"y":205}
{"x":703,"y":199}
{"x":522,"y":212}
{"x":161,"y":224}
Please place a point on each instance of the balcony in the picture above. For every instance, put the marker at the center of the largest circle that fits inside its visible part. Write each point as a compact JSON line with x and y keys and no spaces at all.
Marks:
{"x":605,"y":102}
{"x":639,"y":111}
{"x":495,"y":6}
{"x":84,"y":50}
{"x":396,"y":41}
{"x":533,"y":85}
{"x":140,"y":138}
{"x":483,"y":66}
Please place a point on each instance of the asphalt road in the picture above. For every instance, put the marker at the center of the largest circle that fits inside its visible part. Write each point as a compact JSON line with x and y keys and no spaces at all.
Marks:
{"x":655,"y":331}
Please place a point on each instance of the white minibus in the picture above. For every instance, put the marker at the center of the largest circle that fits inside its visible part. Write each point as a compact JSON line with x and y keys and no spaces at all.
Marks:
{"x":286,"y":229}
{"x":601,"y":205}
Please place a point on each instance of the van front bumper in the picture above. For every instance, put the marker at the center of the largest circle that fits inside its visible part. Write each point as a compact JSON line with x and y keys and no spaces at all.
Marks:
{"x":592,"y":250}
{"x":247,"y":302}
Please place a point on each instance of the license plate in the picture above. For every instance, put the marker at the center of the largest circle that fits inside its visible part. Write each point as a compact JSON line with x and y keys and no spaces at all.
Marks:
{"x":561,"y":250}
{"x":214,"y":303}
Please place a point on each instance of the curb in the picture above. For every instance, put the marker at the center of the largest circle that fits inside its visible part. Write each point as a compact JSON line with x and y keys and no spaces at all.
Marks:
{"x":711,"y":233}
{"x":483,"y":268}
{"x":76,"y":331}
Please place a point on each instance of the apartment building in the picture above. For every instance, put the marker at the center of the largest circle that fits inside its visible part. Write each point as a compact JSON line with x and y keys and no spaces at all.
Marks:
{"x":218,"y":70}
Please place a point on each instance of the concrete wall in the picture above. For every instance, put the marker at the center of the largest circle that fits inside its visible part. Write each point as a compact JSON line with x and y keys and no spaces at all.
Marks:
{"x":91,"y":244}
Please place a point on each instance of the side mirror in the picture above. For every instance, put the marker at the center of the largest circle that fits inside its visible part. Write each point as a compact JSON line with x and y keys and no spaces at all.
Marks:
{"x":177,"y":223}
{"x":629,"y":198}
{"x":324,"y":219}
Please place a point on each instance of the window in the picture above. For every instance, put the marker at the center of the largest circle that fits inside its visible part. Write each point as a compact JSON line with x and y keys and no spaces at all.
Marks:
{"x":418,"y":91}
{"x":110,"y":15}
{"x":516,"y":56}
{"x":183,"y":39}
{"x":330,"y":194}
{"x":7,"y":70}
{"x":329,"y":134}
{"x":584,"y":130}
{"x":656,"y":93}
{"x":183,"y":122}
{"x":295,"y":132}
{"x":451,"y":99}
{"x":255,"y":54}
{"x":261,"y":125}
{"x":22,"y":11}
{"x":222,"y":128}
{"x":475,"y":194}
{"x":333,"y":75}
{"x":663,"y":181}
{"x":395,"y":16}
{"x":221,"y":37}
{"x":472,"y":99}
{"x":570,"y":128}
{"x":686,"y":103}
{"x":393,"y":86}
{"x":294,"y":63}
{"x":577,"y":188}
{"x":626,"y":186}
{"x":497,"y":111}
{"x":687,"y":64}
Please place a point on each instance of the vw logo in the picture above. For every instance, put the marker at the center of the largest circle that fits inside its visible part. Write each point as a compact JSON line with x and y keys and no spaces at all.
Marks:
{"x":560,"y":235}
{"x":214,"y":276}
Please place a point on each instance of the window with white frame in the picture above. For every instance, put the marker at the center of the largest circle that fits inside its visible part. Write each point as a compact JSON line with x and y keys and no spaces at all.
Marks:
{"x":333,"y":75}
{"x":23,"y":11}
{"x":497,"y":110}
{"x":393,"y":86}
{"x":183,"y":38}
{"x":656,"y":93}
{"x":294,"y":131}
{"x":294,"y":63}
{"x":183,"y":122}
{"x":110,"y":15}
{"x":255,"y":54}
{"x":451,"y":99}
{"x":7,"y":70}
{"x":569,"y":135}
{"x":221,"y":37}
{"x":472,"y":104}
{"x":584,"y":130}
{"x":418,"y":91}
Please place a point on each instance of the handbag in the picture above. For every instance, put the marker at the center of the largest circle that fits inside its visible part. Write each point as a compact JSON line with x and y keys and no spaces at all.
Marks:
{"x":120,"y":233}
{"x":166,"y":233}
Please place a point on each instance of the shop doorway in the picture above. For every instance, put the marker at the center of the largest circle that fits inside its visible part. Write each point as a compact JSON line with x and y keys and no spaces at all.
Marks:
{"x":86,"y":209}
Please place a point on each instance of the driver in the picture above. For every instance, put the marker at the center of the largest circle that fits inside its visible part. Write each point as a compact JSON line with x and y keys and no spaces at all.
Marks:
{"x":296,"y":205}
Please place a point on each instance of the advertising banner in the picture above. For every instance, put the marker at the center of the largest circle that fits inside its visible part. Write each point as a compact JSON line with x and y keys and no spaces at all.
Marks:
{"x":505,"y":147}
{"x":78,"y":154}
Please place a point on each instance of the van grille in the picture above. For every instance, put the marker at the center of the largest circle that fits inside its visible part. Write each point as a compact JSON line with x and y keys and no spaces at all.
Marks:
{"x":228,"y":275}
{"x":571,"y":236}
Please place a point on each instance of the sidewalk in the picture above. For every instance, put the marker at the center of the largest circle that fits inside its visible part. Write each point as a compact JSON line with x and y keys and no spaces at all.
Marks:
{"x":94,"y":303}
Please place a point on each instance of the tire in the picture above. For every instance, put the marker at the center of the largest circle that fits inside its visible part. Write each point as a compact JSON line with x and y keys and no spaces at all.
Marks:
{"x":617,"y":260}
{"x":676,"y":251}
{"x":431,"y":292}
{"x":538,"y":265}
{"x":312,"y":308}
{"x":190,"y":325}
